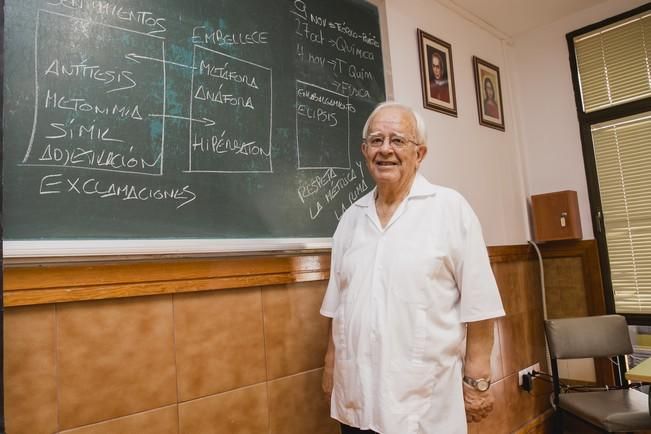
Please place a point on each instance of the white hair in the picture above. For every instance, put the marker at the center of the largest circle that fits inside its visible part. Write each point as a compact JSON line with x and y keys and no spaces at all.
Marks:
{"x":421,"y":130}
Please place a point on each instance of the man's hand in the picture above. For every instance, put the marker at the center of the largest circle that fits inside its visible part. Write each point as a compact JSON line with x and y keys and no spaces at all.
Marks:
{"x":478,"y":404}
{"x":477,"y":364}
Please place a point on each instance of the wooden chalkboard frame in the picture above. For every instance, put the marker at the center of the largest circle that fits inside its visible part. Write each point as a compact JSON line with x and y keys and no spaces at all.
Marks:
{"x":82,"y":250}
{"x":167,"y":247}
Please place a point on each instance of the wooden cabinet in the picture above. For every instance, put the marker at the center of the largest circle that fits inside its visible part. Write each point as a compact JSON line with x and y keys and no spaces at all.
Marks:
{"x":556,"y":216}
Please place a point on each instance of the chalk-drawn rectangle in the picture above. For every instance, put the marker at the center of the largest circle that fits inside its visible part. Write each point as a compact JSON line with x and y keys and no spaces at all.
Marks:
{"x":85,"y":113}
{"x":322,"y":127}
{"x":230,"y":107}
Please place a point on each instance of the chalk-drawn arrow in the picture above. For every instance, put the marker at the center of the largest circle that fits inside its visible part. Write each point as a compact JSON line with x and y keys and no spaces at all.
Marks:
{"x":134,"y":58}
{"x":207,"y":122}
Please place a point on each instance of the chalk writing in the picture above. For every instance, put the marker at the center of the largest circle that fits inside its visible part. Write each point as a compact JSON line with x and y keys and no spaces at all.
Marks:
{"x":116,"y":161}
{"x":318,"y":113}
{"x":121,"y":80}
{"x":224,"y":73}
{"x":314,"y":185}
{"x":348,"y":89}
{"x":221,"y":97}
{"x":300,"y":11}
{"x":323,"y":190}
{"x":322,"y":127}
{"x":324,"y":99}
{"x":106,"y":8}
{"x":237,"y":93}
{"x":220,"y":144}
{"x":203,"y":35}
{"x":61,"y":184}
{"x":366,"y":38}
{"x":70,"y":128}
{"x":136,"y":108}
{"x":54,"y":101}
{"x":342,"y":45}
{"x":343,"y":182}
{"x":304,"y":30}
{"x":91,"y":132}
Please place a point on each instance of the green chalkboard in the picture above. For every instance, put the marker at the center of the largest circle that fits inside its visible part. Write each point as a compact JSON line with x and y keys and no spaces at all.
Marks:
{"x":127,"y":119}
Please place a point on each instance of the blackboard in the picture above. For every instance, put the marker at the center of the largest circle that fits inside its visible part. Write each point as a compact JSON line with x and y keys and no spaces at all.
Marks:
{"x":170,"y":119}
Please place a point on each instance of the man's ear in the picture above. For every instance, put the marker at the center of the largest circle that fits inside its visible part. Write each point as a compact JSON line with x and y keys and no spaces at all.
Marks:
{"x":421,"y":151}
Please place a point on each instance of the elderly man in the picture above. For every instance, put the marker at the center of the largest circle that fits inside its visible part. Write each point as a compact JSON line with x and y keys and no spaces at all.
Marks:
{"x":411,"y":296}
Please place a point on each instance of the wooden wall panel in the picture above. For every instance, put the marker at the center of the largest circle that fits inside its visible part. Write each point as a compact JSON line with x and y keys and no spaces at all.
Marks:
{"x":519,"y":337}
{"x":57,"y":283}
{"x":30,"y":284}
{"x":575,"y":266}
{"x":575,"y":288}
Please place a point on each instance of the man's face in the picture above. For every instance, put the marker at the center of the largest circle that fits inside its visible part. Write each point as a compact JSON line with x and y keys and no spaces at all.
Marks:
{"x":390,"y":166}
{"x":436,"y":67}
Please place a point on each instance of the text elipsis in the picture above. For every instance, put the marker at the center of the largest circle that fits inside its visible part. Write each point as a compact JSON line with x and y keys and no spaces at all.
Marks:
{"x":54,"y":101}
{"x":120,"y":80}
{"x":318,"y":114}
{"x":223,"y":98}
{"x":105,"y":8}
{"x":58,"y":183}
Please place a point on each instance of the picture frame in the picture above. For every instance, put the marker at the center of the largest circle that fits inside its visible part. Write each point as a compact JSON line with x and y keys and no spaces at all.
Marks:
{"x":437,"y":74}
{"x":488,"y":89}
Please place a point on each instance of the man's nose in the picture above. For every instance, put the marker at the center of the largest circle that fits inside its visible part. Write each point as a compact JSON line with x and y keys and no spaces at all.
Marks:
{"x":386,"y":145}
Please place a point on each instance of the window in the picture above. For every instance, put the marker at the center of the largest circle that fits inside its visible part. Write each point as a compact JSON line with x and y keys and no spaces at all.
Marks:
{"x":611,"y":71}
{"x":622,"y":150}
{"x":613,"y":63}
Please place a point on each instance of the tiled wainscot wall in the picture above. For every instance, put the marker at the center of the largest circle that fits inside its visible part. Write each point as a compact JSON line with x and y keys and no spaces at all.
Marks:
{"x":213,"y":346}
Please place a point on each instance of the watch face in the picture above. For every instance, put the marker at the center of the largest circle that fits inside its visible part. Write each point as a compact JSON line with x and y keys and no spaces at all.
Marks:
{"x":483,"y":385}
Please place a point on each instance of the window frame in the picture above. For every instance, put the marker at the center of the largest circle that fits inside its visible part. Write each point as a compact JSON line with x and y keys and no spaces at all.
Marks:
{"x":586,"y":120}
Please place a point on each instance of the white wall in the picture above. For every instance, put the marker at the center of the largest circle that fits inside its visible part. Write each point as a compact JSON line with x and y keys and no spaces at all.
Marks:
{"x":551,"y":147}
{"x":481,"y":163}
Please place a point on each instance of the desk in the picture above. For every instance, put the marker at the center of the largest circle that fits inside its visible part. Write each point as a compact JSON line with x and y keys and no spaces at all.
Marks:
{"x":641,"y":372}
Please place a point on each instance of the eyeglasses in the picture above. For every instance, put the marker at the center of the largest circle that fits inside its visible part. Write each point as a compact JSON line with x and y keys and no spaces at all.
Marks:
{"x":396,"y":141}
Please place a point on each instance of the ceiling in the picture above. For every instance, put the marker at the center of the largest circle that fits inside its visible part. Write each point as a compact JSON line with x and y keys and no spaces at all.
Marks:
{"x":514,"y":17}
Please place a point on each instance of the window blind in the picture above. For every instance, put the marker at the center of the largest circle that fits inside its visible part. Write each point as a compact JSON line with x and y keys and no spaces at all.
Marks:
{"x":622,"y":151}
{"x":614,"y":63}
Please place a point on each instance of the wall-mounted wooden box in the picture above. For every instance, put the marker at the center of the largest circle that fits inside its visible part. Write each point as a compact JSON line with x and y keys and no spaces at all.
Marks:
{"x":556,"y":216}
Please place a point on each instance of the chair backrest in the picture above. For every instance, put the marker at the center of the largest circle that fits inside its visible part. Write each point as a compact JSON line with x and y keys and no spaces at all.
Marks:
{"x":590,"y":336}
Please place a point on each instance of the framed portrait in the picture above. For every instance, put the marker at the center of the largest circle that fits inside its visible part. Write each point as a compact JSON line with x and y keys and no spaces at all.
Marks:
{"x":488,"y":88}
{"x":437,"y":74}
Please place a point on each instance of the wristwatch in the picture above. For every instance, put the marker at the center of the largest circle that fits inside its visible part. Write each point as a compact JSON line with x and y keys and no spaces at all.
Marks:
{"x":481,"y":384}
